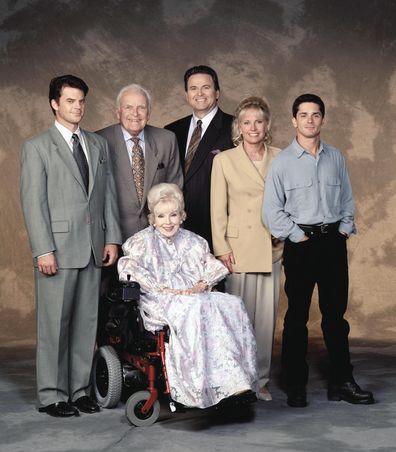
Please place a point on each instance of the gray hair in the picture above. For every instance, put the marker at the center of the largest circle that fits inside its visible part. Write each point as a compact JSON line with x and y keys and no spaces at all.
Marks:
{"x":165,"y":192}
{"x":134,"y":87}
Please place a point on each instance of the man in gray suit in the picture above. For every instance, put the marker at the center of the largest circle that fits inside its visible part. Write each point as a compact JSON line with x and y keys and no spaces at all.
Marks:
{"x":142,"y":156}
{"x":160,"y":159}
{"x":70,"y":209}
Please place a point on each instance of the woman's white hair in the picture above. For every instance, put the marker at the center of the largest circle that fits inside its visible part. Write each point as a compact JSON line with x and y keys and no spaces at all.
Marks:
{"x":162,"y":193}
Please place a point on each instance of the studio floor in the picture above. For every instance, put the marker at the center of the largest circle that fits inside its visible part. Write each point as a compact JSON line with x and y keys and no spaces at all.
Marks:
{"x":270,"y":426}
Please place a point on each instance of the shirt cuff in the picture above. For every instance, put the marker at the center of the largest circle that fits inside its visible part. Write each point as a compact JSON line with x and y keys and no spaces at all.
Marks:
{"x":45,"y":254}
{"x":296,"y":235}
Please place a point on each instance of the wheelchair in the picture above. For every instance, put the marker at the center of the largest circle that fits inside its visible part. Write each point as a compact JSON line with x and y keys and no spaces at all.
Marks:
{"x":133,"y":359}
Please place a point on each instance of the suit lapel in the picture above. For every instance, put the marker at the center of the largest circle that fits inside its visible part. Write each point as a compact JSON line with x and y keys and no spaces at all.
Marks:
{"x":268,"y":157}
{"x":63,"y":150}
{"x":247,"y":166}
{"x":206,"y":144}
{"x":122,"y":163}
{"x":182,"y":135}
{"x":150,"y":162}
{"x":94,"y":153}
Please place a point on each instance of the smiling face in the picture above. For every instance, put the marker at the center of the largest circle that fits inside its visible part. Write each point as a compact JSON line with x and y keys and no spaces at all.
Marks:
{"x":133,"y":112}
{"x":69,"y":110}
{"x":308,"y":120}
{"x":253,"y":125}
{"x":167,"y":217}
{"x":201,"y":94}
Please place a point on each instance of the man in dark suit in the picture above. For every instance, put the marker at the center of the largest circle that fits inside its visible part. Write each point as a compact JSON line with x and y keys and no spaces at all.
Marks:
{"x":201,"y":136}
{"x":69,"y":204}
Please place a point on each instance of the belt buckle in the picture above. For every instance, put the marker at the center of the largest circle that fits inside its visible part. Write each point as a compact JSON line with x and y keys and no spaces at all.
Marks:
{"x":324,"y":228}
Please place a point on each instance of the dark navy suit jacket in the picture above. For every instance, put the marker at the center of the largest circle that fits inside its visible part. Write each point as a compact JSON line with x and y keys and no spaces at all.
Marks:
{"x":197,"y":181}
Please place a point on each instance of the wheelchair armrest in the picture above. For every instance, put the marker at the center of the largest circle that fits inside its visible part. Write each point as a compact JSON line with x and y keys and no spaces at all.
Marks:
{"x":124,"y":292}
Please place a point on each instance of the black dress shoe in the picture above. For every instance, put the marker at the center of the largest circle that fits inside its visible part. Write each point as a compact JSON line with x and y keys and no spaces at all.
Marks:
{"x":350,"y":392}
{"x":297,"y":398}
{"x":60,"y":409}
{"x":86,"y":405}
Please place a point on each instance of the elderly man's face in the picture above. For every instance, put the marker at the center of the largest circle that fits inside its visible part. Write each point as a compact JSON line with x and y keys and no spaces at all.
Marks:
{"x":167,"y":218}
{"x":133,"y":112}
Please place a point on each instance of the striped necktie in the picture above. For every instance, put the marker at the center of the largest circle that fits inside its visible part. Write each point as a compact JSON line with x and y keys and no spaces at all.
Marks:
{"x":138,"y":168}
{"x":192,"y":147}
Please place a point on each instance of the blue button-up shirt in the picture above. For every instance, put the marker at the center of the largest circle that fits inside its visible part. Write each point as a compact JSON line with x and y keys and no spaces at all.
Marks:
{"x":303,"y":189}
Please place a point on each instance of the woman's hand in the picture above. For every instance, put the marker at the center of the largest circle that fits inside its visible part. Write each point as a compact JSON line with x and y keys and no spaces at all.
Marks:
{"x":199,"y":287}
{"x":228,"y":260}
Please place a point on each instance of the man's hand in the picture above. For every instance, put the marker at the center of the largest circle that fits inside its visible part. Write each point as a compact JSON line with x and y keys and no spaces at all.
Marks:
{"x":47,"y":264}
{"x":228,"y":260}
{"x":110,"y":254}
{"x":304,"y":239}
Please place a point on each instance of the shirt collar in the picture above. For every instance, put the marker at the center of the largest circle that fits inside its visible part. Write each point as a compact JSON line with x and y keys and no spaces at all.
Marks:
{"x":299,"y":150}
{"x":128,"y":136}
{"x":66,"y":133}
{"x":206,"y":119}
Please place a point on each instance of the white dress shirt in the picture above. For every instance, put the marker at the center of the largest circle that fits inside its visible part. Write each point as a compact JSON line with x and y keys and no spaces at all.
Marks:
{"x":206,"y":120}
{"x":129,"y":143}
{"x":67,"y":136}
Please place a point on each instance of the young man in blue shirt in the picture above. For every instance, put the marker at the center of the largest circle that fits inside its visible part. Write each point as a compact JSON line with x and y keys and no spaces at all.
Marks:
{"x":308,"y":203}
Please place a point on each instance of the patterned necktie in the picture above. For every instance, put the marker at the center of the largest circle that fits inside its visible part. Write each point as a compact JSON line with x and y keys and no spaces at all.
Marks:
{"x":192,"y":147}
{"x":138,"y":168}
{"x":81,"y":160}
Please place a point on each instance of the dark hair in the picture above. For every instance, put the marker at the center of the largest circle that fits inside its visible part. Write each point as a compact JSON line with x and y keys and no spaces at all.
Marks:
{"x":57,"y":83}
{"x":308,"y":98}
{"x":202,"y":70}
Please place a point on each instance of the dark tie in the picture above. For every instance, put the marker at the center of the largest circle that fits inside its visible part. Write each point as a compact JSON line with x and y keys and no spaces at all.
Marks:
{"x":192,"y":147}
{"x":81,"y":160}
{"x":138,"y":168}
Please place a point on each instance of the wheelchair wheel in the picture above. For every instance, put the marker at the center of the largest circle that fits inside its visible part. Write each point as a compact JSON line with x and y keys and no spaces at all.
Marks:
{"x":133,"y":408}
{"x":107,"y":377}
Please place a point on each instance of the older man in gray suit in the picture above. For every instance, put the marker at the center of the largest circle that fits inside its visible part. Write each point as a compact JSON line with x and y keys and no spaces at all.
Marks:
{"x":70,"y":209}
{"x":142,"y":156}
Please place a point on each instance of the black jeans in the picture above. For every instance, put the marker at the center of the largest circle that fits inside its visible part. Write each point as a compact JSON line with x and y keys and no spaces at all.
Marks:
{"x":321,"y":260}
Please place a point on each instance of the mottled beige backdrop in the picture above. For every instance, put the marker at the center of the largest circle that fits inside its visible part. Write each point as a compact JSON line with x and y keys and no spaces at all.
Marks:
{"x":343,"y":50}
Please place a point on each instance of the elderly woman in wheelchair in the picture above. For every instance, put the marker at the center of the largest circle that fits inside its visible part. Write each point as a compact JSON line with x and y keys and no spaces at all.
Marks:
{"x":210,"y":353}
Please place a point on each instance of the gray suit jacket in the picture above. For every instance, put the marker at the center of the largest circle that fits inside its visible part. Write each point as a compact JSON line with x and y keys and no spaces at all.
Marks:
{"x":59,"y":215}
{"x":162,"y":164}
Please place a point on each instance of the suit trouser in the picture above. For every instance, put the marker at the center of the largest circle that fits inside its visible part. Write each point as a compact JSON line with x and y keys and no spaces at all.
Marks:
{"x":108,"y":282}
{"x":321,"y":260}
{"x":260,"y":293}
{"x":67,"y":305}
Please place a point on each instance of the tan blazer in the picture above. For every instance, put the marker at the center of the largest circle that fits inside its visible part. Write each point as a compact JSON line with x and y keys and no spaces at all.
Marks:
{"x":237,"y":191}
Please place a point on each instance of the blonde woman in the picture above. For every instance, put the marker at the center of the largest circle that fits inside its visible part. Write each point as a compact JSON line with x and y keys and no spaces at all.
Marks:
{"x":240,"y":240}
